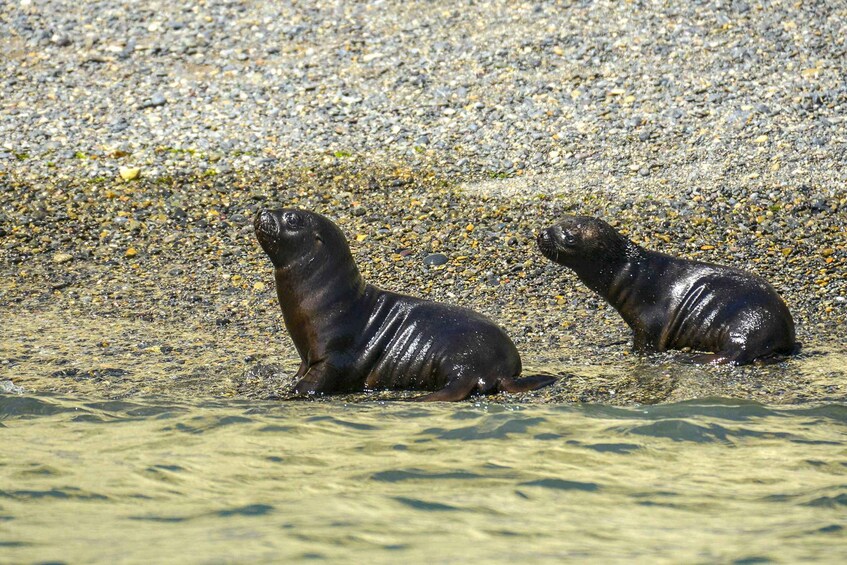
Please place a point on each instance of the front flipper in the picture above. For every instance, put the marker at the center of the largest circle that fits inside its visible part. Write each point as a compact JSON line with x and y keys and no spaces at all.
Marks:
{"x":320,"y":378}
{"x":524,"y":384}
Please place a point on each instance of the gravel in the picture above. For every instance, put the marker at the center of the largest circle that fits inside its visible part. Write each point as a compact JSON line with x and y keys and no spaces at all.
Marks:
{"x":720,"y":91}
{"x":137,"y":141}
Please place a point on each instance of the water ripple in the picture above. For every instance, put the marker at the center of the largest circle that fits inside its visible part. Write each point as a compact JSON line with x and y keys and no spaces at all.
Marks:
{"x":249,"y":510}
{"x":61,"y":493}
{"x":562,"y":484}
{"x":418,"y":504}
{"x":485,"y":430}
{"x":28,"y":406}
{"x":683,"y":430}
{"x":394,"y":476}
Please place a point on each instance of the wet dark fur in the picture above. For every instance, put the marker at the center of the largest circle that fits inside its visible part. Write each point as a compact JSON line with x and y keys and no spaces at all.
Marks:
{"x":673,"y":303}
{"x":352,"y":336}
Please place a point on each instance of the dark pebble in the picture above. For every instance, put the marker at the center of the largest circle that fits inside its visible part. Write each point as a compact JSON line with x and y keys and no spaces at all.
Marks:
{"x":435,"y":259}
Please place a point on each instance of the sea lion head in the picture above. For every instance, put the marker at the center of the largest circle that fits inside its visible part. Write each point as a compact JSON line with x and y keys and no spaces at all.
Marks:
{"x":576,"y":240}
{"x":293,"y":237}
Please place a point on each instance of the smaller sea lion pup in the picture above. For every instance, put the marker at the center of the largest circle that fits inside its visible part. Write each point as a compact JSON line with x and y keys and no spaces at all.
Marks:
{"x":673,"y":303}
{"x":352,"y":336}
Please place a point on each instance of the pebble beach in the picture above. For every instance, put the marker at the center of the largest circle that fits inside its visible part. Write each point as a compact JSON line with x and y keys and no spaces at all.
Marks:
{"x":137,"y":142}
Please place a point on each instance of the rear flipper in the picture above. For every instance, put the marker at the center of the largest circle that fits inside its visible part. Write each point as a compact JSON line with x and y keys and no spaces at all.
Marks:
{"x":524,"y":384}
{"x":744,"y":357}
{"x":458,"y":389}
{"x":714,"y":359}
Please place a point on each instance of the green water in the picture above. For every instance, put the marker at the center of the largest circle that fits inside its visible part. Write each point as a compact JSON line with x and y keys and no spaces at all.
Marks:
{"x":218,"y":482}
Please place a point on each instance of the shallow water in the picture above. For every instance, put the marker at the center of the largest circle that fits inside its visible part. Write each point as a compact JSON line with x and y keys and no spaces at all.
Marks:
{"x":51,"y":352}
{"x":213,"y":481}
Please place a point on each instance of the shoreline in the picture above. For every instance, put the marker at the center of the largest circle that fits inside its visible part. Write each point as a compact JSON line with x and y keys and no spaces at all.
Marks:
{"x":177,"y":259}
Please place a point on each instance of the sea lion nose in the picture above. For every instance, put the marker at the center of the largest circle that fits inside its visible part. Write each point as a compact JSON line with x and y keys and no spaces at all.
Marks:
{"x":544,"y":237}
{"x":264,"y":222}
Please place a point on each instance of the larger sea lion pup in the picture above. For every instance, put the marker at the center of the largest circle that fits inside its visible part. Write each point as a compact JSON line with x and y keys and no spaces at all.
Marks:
{"x":673,"y":303}
{"x":353,"y":336}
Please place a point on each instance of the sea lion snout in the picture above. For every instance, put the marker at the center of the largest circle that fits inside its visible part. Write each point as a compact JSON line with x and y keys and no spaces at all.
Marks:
{"x":551,"y":243}
{"x":545,"y":242}
{"x":267,"y":228}
{"x":265,"y":224}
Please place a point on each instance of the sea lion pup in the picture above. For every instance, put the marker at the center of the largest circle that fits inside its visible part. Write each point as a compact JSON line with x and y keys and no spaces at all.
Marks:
{"x":673,"y":303}
{"x":353,"y":336}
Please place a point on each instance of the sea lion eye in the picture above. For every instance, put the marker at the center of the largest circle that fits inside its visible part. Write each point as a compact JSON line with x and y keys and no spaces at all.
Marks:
{"x":570,"y":239}
{"x":292,"y":219}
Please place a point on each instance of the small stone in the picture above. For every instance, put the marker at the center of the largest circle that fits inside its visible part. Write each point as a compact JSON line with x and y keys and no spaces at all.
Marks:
{"x":435,"y":259}
{"x":129,"y":173}
{"x":155,"y":101}
{"x":761,"y":139}
{"x":131,"y":252}
{"x":61,"y":40}
{"x":119,"y":125}
{"x":819,"y":205}
{"x":259,"y":286}
{"x":8,"y":387}
{"x":60,"y":258}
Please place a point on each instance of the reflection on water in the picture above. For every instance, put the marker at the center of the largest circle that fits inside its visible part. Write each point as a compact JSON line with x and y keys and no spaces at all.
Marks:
{"x":147,"y":481}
